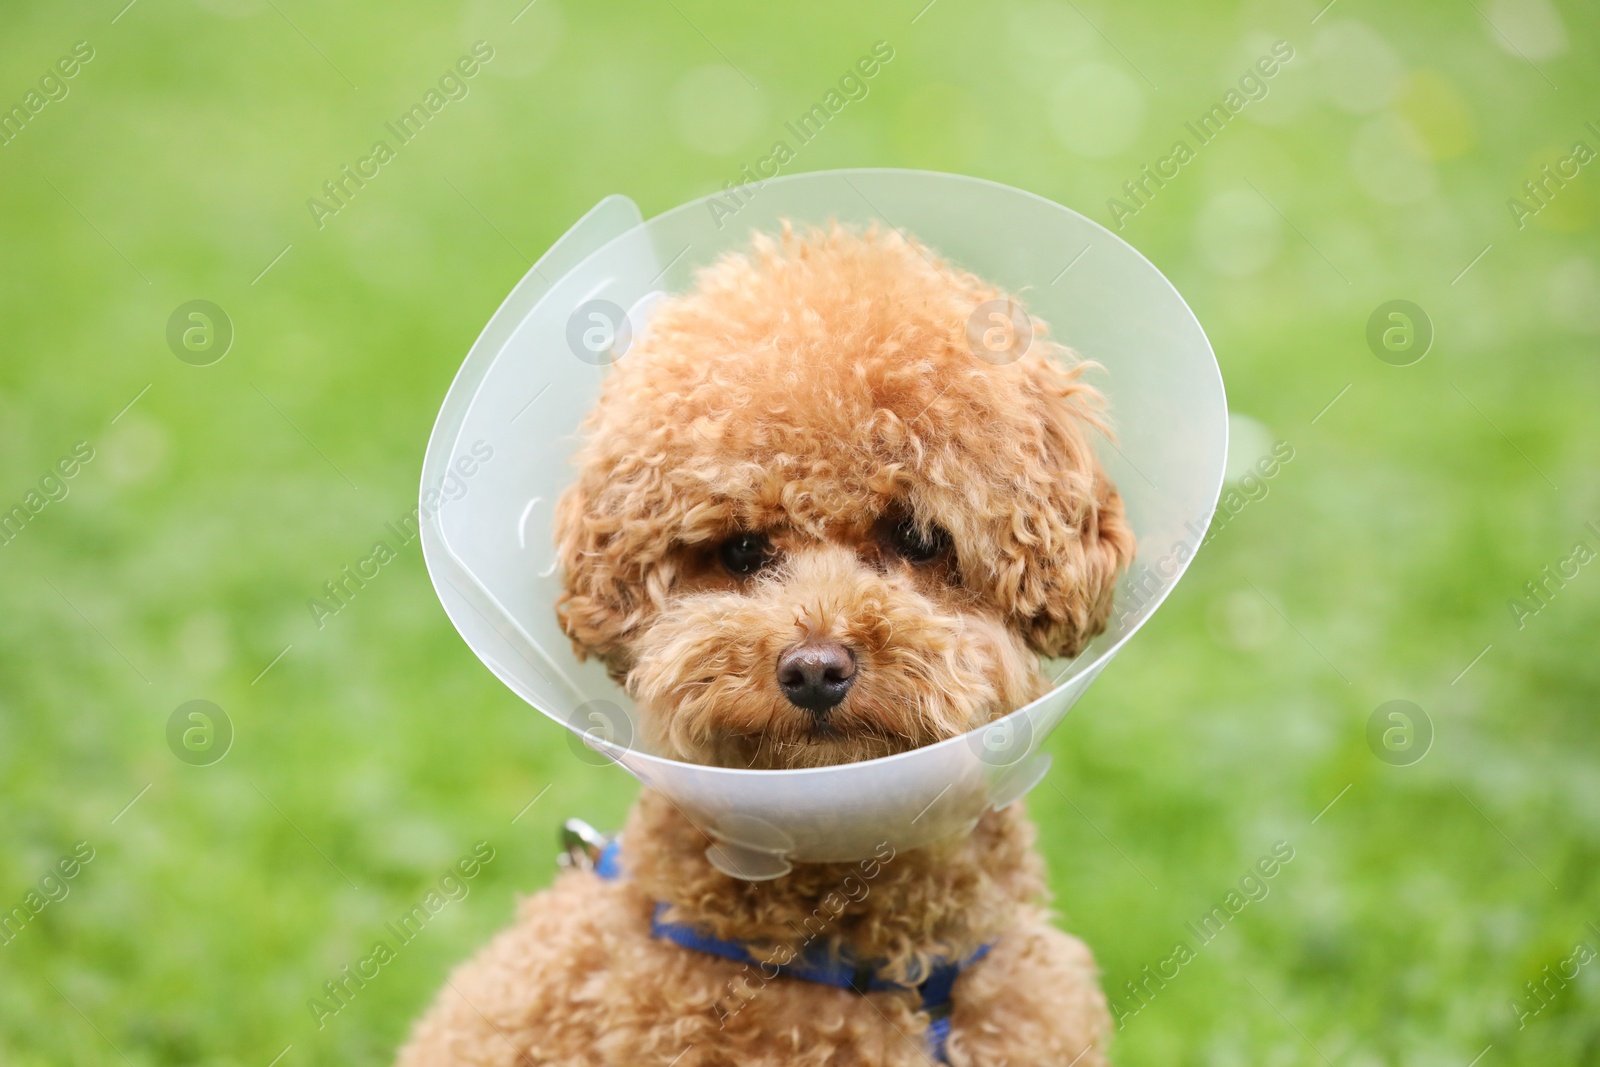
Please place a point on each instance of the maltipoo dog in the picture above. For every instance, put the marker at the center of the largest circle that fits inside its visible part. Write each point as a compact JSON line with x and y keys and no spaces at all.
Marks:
{"x":810,"y":526}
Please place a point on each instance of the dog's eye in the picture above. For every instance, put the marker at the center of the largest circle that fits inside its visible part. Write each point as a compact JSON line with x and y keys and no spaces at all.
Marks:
{"x":744,"y":554}
{"x":920,"y":545}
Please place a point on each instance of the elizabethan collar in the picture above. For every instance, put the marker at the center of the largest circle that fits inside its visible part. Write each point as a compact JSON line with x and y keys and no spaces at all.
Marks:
{"x":536,"y":371}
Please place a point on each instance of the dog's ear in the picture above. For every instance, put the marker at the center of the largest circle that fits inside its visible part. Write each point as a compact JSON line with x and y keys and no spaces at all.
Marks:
{"x":606,"y":562}
{"x":1068,"y":540}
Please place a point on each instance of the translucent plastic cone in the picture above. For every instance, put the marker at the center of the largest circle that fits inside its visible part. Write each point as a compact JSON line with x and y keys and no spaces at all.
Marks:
{"x":536,"y":371}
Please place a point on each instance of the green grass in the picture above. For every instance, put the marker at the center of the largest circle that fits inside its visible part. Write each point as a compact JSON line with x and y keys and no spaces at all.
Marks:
{"x":377,"y":751}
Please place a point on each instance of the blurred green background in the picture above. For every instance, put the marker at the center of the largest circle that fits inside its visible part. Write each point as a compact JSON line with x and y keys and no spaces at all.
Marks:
{"x":1379,"y":565}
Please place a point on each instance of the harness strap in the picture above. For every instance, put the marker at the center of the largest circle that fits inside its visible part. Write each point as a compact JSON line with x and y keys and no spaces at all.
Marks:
{"x":857,"y":976}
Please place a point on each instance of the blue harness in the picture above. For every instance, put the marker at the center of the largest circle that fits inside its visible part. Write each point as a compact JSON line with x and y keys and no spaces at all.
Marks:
{"x":858,"y":977}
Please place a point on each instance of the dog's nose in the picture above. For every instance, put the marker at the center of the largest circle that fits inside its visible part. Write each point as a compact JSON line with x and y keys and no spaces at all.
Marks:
{"x":816,"y":675}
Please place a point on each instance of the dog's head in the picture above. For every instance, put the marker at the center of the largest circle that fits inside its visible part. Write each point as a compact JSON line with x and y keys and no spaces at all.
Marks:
{"x":811,"y":527}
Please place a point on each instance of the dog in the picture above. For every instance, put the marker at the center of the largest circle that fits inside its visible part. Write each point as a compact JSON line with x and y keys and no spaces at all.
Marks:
{"x":813,"y":524}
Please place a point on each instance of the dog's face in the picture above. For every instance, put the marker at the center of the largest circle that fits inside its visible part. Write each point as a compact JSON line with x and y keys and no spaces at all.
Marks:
{"x":811,"y":527}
